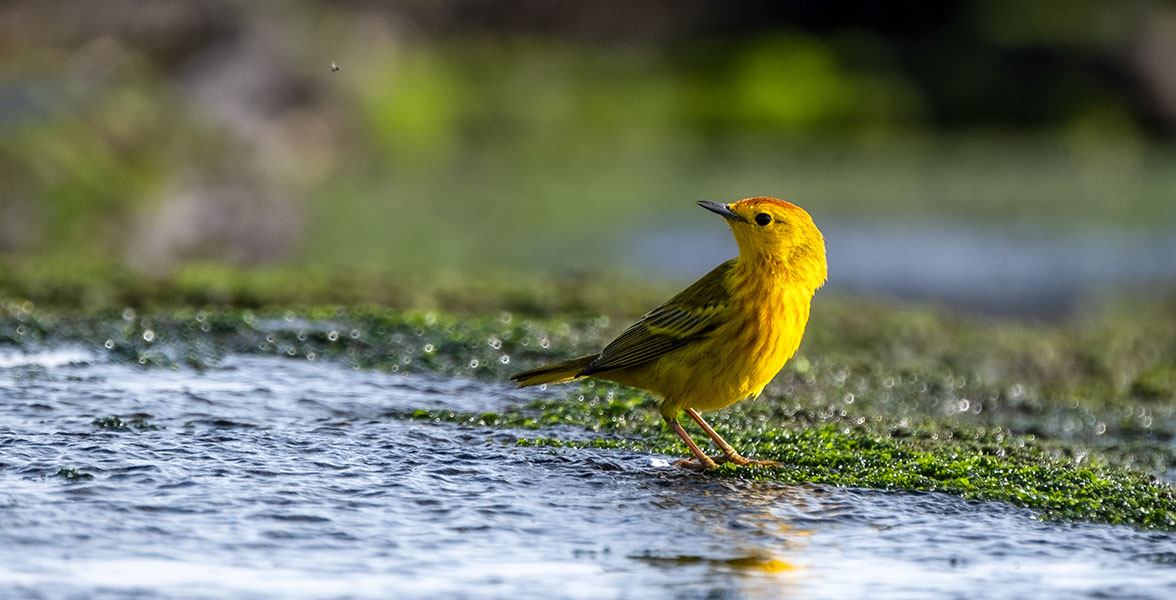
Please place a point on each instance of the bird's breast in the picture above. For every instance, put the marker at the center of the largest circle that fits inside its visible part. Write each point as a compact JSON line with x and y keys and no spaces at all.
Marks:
{"x":770,"y":335}
{"x":761,"y":332}
{"x":750,"y":350}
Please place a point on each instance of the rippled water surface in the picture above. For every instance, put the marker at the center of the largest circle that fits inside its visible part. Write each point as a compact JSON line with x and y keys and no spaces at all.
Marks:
{"x":273,"y":478}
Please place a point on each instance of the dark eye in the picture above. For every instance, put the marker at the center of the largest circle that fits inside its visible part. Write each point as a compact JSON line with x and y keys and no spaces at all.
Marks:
{"x":763,"y":219}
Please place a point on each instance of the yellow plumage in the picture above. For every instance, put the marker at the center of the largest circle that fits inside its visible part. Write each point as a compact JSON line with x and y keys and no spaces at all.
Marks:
{"x":727,"y":335}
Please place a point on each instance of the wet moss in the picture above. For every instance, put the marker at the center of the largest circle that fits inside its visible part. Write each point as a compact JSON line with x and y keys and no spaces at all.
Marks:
{"x":114,"y":423}
{"x":74,"y":285}
{"x":73,"y":475}
{"x":1156,"y":383}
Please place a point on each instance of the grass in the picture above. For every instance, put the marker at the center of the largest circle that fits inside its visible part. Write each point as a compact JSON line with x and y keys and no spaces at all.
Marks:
{"x":1073,"y":419}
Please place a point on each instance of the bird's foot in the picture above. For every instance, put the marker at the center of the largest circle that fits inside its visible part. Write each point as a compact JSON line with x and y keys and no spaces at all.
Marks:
{"x":695,"y":465}
{"x":713,"y":462}
{"x":743,"y":462}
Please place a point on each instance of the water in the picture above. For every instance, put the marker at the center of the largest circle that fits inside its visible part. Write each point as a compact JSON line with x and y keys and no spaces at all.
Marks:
{"x":286,"y":478}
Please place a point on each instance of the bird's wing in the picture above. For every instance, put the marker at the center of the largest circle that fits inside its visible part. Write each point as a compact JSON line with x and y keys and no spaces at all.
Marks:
{"x":692,"y":314}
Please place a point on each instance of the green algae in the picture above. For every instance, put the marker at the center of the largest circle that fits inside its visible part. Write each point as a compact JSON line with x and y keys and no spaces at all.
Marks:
{"x":115,"y":423}
{"x":73,"y":475}
{"x":1070,"y":419}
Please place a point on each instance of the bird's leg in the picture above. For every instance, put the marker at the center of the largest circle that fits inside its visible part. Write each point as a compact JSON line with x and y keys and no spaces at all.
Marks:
{"x":729,"y":453}
{"x":704,"y":461}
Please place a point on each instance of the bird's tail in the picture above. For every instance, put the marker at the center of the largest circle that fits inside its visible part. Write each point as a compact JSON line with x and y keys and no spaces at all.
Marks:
{"x":557,"y":373}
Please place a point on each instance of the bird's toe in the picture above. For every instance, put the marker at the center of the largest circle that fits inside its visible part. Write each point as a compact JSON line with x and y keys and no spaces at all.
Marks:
{"x":695,"y":465}
{"x":745,"y":462}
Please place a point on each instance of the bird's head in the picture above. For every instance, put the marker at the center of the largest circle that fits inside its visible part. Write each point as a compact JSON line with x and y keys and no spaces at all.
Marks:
{"x":775,"y":231}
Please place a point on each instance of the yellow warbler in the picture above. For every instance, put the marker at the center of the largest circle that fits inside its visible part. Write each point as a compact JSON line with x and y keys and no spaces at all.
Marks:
{"x":723,"y":338}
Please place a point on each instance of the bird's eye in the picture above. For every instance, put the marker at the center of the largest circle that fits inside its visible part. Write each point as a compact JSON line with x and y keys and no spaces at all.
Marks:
{"x":763,"y":219}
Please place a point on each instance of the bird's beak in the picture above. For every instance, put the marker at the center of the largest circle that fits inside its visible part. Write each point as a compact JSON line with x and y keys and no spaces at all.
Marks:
{"x":723,"y":210}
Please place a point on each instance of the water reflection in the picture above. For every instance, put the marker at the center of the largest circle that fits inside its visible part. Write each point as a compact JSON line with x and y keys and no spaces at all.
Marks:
{"x":727,"y":533}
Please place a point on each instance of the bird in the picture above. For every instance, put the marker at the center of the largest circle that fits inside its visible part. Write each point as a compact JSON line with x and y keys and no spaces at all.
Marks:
{"x":724,"y":337}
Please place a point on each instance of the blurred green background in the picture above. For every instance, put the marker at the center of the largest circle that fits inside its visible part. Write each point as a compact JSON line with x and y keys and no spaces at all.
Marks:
{"x":999,"y":155}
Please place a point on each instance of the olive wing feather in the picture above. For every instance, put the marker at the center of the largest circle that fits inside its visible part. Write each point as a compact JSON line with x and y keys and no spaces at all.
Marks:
{"x":691,"y":315}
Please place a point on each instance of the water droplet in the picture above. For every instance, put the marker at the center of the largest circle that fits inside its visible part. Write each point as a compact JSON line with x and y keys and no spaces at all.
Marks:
{"x":494,"y":342}
{"x":109,"y":345}
{"x":301,"y":336}
{"x":474,"y":363}
{"x":355,"y":334}
{"x":128,"y":314}
{"x":205,"y":327}
{"x":964,"y":405}
{"x":311,"y":356}
{"x":839,"y":377}
{"x":142,"y":360}
{"x":148,"y":335}
{"x":504,"y":359}
{"x":428,"y":348}
{"x":332,"y":335}
{"x":201,"y":316}
{"x":1100,"y":429}
{"x":20,"y":330}
{"x":289,"y":316}
{"x":544,"y":343}
{"x":848,"y":399}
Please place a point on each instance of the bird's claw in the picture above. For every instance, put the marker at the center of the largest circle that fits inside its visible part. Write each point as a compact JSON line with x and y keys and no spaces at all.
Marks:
{"x":744,"y":462}
{"x":694,"y":465}
{"x":713,"y":462}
